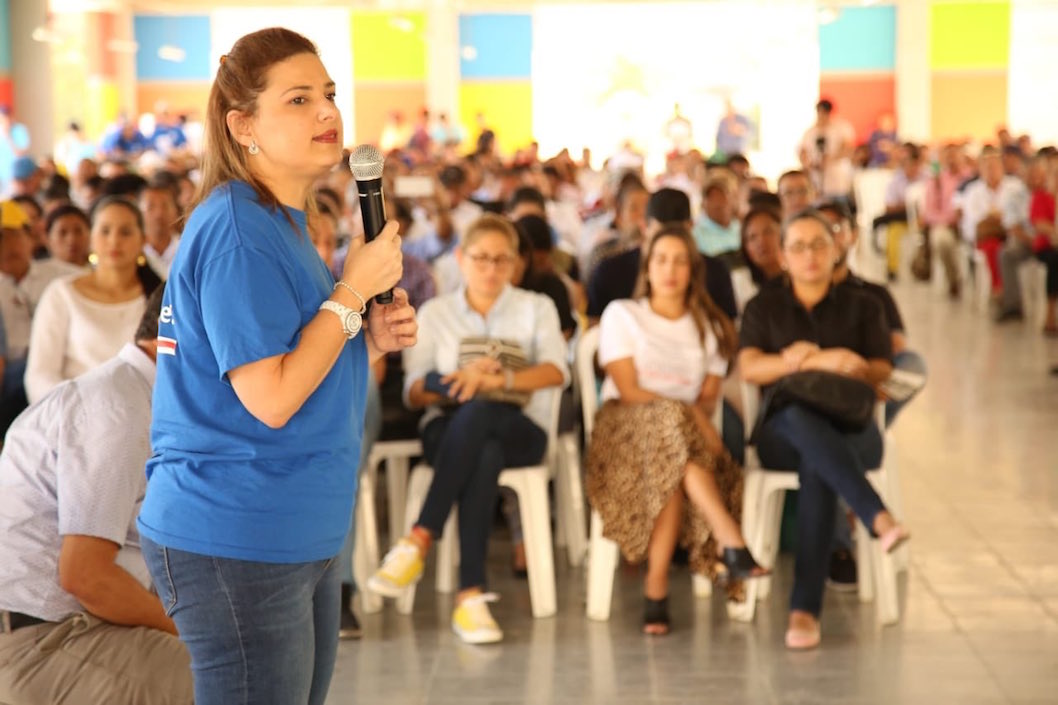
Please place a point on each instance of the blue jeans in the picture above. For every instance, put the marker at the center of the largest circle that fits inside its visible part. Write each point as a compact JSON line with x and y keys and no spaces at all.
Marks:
{"x":830,"y":464}
{"x":468,"y":449}
{"x":258,"y":633}
{"x":912,"y":362}
{"x":372,"y":429}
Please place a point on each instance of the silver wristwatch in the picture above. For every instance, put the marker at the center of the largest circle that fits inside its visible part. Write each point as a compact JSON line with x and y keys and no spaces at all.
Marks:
{"x":352,"y":321}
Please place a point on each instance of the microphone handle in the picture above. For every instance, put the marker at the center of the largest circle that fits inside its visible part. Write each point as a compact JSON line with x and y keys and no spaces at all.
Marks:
{"x":373,"y":211}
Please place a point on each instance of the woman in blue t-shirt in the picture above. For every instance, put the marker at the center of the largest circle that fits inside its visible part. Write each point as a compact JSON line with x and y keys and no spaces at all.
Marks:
{"x":259,"y":398}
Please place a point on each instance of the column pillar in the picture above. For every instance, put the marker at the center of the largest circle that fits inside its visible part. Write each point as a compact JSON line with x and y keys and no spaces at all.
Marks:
{"x":31,"y":74}
{"x":914,"y":94}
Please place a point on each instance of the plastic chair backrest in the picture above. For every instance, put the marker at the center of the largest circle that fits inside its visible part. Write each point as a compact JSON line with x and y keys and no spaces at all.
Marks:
{"x":869,"y":186}
{"x":584,"y":370}
{"x":914,"y":201}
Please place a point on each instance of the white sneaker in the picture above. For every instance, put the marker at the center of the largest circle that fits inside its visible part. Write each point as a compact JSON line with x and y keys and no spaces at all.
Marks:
{"x":472,"y":621}
{"x":401,"y":567}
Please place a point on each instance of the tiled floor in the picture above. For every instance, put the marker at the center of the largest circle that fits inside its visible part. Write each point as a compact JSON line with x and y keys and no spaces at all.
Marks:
{"x":979,"y":466}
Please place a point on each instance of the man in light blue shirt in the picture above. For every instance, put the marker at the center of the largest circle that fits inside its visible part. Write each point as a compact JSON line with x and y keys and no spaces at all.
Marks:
{"x":717,"y":231}
{"x":71,"y":571}
{"x":14,"y":143}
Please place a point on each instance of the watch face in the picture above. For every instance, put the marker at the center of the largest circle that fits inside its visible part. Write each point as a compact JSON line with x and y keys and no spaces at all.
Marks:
{"x":353,"y":323}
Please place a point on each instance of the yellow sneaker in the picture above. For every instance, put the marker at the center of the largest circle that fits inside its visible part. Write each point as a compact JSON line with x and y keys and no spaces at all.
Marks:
{"x":401,"y":567}
{"x":473,"y":622}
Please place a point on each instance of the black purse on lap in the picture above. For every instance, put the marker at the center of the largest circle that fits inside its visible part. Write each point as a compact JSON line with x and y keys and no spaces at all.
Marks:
{"x":846,"y":402}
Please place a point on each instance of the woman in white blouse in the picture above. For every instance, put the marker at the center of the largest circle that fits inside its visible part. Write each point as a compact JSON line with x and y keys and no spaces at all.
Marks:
{"x":468,"y":434}
{"x":83,"y":320}
{"x":657,"y":471}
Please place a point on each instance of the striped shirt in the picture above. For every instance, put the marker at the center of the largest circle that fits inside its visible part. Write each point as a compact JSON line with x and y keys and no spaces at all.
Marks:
{"x":520,"y":316}
{"x":73,"y":464}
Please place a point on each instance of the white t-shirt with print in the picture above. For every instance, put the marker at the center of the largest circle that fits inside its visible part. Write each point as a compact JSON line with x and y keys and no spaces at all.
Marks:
{"x":669,"y":357}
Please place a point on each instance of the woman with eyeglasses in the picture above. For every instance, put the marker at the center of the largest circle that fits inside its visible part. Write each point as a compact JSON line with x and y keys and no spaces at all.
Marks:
{"x":806,"y":323}
{"x":474,"y":426}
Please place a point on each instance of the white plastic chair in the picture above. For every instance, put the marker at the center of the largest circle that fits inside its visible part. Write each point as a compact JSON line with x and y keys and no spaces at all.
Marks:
{"x":603,"y":553}
{"x":982,"y":275}
{"x":1032,"y":278}
{"x":530,"y":484}
{"x":396,"y":455}
{"x":762,"y":522}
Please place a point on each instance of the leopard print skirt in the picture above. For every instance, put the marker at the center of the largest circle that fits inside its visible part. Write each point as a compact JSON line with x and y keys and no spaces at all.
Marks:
{"x":636,"y":460}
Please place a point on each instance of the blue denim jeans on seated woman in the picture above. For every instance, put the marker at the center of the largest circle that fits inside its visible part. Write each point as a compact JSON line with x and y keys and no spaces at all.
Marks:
{"x":258,"y":633}
{"x":829,"y":464}
{"x":468,"y":448}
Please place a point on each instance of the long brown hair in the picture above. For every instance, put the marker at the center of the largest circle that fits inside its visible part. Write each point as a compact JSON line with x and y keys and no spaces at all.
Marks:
{"x":704,"y":311}
{"x":240,"y":79}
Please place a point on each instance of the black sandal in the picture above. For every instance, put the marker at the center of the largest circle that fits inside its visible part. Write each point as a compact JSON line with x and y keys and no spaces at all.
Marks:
{"x":740,"y":564}
{"x":656,"y":614}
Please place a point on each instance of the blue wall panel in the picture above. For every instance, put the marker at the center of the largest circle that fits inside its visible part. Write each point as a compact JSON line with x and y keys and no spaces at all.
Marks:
{"x":861,"y":39}
{"x":190,"y":33}
{"x":5,"y":36}
{"x":495,"y":46}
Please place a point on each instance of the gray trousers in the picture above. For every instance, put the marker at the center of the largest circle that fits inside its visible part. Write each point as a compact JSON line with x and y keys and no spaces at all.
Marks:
{"x":86,"y":661}
{"x":1012,"y":254}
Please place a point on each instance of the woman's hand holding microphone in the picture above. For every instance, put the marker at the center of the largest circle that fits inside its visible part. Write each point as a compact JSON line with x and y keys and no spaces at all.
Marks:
{"x":371,"y":269}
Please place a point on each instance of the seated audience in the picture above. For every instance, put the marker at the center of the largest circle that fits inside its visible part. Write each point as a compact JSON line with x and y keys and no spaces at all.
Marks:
{"x":67,"y":230}
{"x":761,"y":233}
{"x":995,"y":211}
{"x":161,"y":220}
{"x":845,"y":233}
{"x":539,"y":274}
{"x":1042,"y":220}
{"x":796,"y":192}
{"x":617,"y":232}
{"x":475,"y":426}
{"x":22,"y":282}
{"x":717,"y":230}
{"x":808,"y":323}
{"x":895,"y":216}
{"x":665,"y":353}
{"x":615,"y":278}
{"x":940,"y":218}
{"x":82,"y":319}
{"x":37,"y":227}
{"x":83,"y":623}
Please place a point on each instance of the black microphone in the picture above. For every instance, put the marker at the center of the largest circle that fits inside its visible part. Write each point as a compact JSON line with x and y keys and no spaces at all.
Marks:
{"x":366,"y":164}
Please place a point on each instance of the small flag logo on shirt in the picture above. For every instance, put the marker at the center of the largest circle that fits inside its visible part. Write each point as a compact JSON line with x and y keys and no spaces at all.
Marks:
{"x":166,"y":346}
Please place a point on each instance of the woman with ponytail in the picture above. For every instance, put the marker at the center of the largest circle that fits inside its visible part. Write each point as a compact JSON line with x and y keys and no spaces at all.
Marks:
{"x":658,"y":473}
{"x":83,"y":320}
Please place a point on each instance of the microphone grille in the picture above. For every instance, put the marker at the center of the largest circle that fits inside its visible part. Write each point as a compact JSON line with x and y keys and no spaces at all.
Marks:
{"x":366,"y":163}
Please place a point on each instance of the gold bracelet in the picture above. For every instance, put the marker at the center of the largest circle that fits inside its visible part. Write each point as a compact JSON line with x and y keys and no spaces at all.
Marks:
{"x":363,"y":304}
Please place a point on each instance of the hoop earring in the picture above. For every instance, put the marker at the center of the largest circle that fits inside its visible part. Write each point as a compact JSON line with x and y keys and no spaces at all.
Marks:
{"x":253,"y":148}
{"x":93,"y":258}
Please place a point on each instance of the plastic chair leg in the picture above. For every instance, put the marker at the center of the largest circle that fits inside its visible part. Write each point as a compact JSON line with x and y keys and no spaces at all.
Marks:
{"x":602,"y":562}
{"x":569,"y":490}
{"x":396,"y":493}
{"x":531,"y":487}
{"x":365,"y":548}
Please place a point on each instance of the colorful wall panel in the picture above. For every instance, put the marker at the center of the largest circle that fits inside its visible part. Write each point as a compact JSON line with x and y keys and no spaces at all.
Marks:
{"x":389,"y":69}
{"x":173,"y":63}
{"x":860,"y":99}
{"x":7,"y":89}
{"x":857,"y":62}
{"x":969,"y":58}
{"x":495,"y":70}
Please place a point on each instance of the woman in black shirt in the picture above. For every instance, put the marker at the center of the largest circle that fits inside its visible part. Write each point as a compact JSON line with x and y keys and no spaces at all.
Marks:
{"x":808,"y":324}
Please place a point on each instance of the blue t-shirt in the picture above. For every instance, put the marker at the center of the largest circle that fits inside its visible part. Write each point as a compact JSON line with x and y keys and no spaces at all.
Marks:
{"x":221,"y":483}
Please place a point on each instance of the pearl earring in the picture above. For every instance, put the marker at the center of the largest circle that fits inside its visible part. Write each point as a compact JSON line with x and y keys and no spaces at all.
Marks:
{"x":253,"y":148}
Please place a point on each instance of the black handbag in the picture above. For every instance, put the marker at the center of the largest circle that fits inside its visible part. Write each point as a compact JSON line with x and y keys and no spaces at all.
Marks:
{"x":846,"y":402}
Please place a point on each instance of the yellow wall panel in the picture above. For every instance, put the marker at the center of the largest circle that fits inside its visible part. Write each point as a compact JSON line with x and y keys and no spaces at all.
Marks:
{"x":389,"y":46}
{"x":507,"y":107}
{"x":103,"y":108}
{"x":969,"y":105}
{"x":969,"y":35}
{"x":181,"y":97}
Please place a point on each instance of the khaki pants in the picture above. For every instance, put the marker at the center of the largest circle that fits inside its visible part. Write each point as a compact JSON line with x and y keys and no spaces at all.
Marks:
{"x":85,"y":661}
